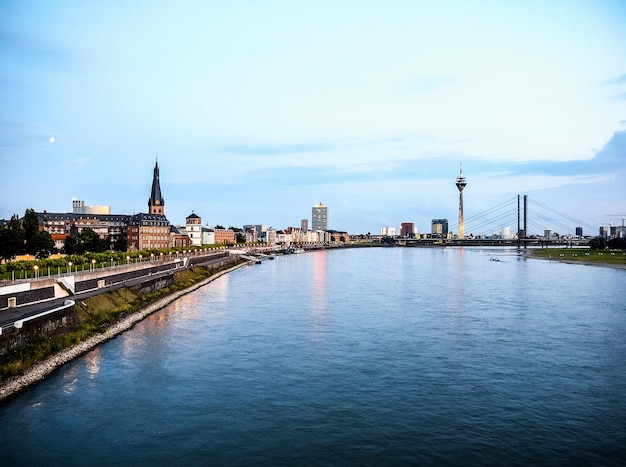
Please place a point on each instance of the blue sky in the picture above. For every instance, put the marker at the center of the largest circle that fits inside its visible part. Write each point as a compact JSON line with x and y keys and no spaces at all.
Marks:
{"x":260,"y":109}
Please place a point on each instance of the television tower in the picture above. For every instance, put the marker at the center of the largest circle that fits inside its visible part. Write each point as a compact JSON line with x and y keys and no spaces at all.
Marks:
{"x":460,"y":184}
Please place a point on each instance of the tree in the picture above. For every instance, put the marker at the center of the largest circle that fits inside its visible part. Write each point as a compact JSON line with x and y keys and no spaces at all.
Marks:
{"x":617,"y":243}
{"x":43,"y":244}
{"x":92,"y":242}
{"x":241,"y":238}
{"x":87,"y":240}
{"x":31,"y":228}
{"x":597,"y":243}
{"x":5,"y":252}
{"x":120,"y":243}
{"x":219,"y":226}
{"x":72,"y":245}
{"x":37,"y":242}
{"x":387,"y":240}
{"x":12,"y":238}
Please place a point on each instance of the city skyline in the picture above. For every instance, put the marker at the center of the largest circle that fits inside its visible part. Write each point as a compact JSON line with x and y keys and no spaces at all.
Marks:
{"x":258,"y":111}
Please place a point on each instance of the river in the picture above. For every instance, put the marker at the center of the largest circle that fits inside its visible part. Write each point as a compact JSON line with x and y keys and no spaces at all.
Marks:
{"x":374,"y":356}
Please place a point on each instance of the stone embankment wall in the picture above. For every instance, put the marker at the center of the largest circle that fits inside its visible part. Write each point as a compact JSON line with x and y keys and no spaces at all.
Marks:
{"x":90,"y":284}
{"x":28,"y":296}
{"x":63,"y":320}
{"x":49,"y":325}
{"x":154,"y":285}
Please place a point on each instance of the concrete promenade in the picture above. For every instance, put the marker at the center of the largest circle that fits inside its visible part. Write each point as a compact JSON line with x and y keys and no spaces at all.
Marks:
{"x":84,"y":284}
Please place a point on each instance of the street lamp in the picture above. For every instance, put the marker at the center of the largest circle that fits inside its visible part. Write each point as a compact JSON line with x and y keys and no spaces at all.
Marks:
{"x":36,"y":268}
{"x":93,"y":264}
{"x":69,"y":267}
{"x":127,"y":260}
{"x":140,"y":258}
{"x":151,"y":256}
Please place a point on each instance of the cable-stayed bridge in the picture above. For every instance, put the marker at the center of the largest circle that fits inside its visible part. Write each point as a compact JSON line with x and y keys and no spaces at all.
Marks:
{"x":518,"y":221}
{"x":531,"y":218}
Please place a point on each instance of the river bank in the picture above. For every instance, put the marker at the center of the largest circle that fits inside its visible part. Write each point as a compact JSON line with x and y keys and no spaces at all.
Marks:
{"x":576,"y":257}
{"x":41,"y":370}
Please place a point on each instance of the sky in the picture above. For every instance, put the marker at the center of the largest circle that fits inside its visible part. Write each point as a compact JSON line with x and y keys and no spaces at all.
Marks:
{"x":258,"y":110}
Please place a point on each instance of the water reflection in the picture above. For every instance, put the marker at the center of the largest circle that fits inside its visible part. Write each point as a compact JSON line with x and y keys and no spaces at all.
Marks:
{"x":131,"y":340}
{"x":70,"y":379}
{"x":318,"y":300}
{"x":189,"y":304}
{"x":319,"y":284}
{"x":459,"y":292}
{"x":93,"y":362}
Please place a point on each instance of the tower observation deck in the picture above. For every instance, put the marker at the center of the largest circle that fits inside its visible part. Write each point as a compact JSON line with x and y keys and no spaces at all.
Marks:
{"x":460,"y":184}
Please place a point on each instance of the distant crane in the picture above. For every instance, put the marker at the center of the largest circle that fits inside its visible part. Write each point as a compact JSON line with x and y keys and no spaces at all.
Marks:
{"x":621,"y":216}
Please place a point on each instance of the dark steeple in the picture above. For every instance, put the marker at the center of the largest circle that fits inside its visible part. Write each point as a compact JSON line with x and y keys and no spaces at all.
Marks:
{"x":156,"y":203}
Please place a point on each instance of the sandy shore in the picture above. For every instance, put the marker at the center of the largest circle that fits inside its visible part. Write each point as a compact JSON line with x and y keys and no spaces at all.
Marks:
{"x":41,"y":370}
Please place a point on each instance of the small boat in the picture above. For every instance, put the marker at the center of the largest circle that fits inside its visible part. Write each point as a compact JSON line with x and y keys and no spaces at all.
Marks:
{"x":298,"y":250}
{"x":493,"y":258}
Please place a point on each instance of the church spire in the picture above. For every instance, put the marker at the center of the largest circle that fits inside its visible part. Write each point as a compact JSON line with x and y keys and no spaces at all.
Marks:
{"x":156,"y":203}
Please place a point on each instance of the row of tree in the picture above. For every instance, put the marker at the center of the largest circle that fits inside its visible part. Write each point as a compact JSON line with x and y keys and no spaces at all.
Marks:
{"x":87,"y":240}
{"x":24,"y":237}
{"x":20,"y":237}
{"x":600,"y":243}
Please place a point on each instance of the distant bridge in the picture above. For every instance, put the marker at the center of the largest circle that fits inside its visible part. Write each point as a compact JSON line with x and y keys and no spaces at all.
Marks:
{"x":523,"y":215}
{"x":501,"y":242}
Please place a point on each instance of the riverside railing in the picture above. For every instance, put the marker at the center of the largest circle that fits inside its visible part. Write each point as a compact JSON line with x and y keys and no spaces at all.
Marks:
{"x":138,"y":262}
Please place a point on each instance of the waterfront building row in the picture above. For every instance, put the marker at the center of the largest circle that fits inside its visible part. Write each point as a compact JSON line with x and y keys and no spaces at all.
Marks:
{"x":152,"y":230}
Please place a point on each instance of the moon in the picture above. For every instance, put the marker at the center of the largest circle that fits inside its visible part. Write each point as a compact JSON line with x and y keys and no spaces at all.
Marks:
{"x":52,"y":139}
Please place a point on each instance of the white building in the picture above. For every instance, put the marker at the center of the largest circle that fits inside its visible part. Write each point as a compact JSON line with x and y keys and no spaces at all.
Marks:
{"x":78,"y":207}
{"x":208,"y":236}
{"x":193,"y":229}
{"x":283,"y":237}
{"x":270,"y":236}
{"x":323,"y":236}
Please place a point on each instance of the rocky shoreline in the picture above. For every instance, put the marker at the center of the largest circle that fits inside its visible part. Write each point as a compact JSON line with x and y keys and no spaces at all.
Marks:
{"x":40,"y":371}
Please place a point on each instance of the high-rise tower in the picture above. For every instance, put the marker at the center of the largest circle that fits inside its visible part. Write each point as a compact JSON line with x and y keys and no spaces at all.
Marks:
{"x":460,"y":184}
{"x":319,"y":217}
{"x":156,"y":203}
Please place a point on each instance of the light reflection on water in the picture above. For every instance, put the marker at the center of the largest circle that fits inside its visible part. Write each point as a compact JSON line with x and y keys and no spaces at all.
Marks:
{"x":374,"y":356}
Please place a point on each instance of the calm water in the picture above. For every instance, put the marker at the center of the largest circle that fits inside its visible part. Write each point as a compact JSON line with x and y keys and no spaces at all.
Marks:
{"x":366,"y":357}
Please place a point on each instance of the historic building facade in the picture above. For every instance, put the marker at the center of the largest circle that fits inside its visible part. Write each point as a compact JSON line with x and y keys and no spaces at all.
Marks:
{"x":150,"y":230}
{"x":60,"y":225}
{"x":156,"y":203}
